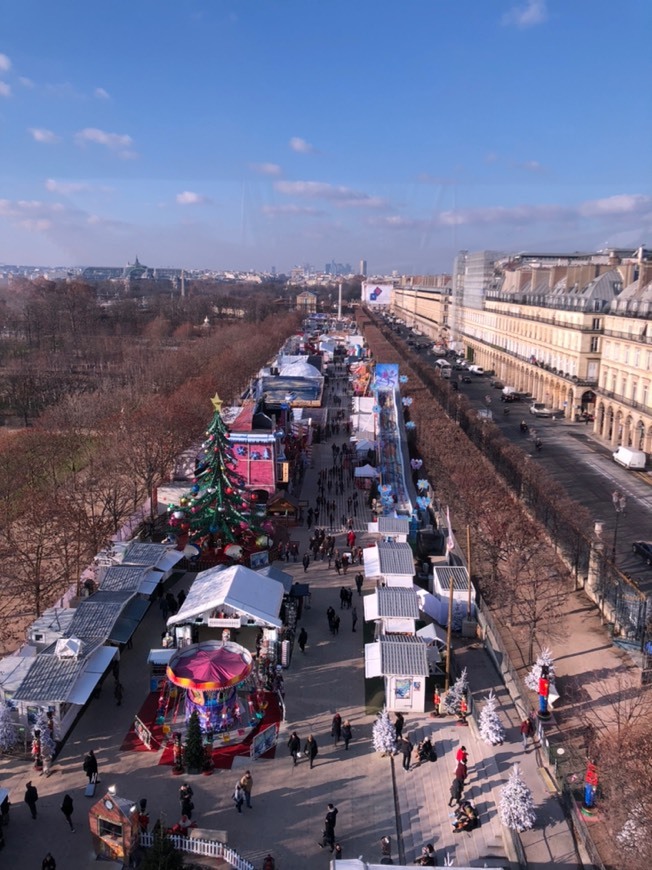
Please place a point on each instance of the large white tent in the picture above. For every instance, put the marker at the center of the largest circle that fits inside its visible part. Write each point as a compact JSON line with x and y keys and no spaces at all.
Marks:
{"x":256,"y":598}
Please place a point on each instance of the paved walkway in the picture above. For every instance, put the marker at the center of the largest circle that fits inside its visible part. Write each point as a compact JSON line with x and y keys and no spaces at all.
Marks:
{"x":373,"y":794}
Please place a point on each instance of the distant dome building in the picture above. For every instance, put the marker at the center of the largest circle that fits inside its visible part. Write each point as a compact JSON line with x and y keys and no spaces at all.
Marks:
{"x":300,"y":369}
{"x":136,"y":271}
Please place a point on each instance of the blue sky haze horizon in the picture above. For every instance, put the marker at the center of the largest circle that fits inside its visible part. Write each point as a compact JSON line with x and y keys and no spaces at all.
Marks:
{"x":246,"y":134}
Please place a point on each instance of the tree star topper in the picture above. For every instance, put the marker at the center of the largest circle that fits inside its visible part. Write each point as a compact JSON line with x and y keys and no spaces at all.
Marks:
{"x":217,"y":402}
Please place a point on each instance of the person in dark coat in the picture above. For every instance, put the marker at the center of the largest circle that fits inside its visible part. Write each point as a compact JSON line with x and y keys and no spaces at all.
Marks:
{"x":457,"y":787}
{"x":305,"y":562}
{"x":31,"y":796}
{"x":294,"y":745}
{"x":118,"y":693}
{"x":48,"y":862}
{"x":336,"y":729}
{"x":460,"y":771}
{"x":185,"y":798}
{"x":90,"y":765}
{"x":406,"y":751}
{"x":359,"y":580}
{"x":354,"y":618}
{"x":398,"y":725}
{"x":347,"y":733}
{"x":303,"y":639}
{"x":311,"y":749}
{"x":66,"y":809}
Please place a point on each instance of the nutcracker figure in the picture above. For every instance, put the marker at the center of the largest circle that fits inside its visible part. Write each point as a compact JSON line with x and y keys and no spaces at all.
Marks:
{"x":544,"y":691}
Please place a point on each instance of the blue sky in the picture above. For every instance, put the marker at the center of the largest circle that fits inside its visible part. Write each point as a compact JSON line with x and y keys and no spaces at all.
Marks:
{"x":237,"y":134}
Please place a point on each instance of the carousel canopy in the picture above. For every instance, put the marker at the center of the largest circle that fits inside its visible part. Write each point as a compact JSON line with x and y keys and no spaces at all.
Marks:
{"x":211,"y":665}
{"x":245,"y":591}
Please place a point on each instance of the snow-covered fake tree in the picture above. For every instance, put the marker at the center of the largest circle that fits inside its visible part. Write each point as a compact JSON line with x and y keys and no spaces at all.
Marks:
{"x":453,"y":697}
{"x":544,"y":658}
{"x":7,"y":729}
{"x":516,"y":807}
{"x":491,"y":729}
{"x":42,"y":724}
{"x":384,"y":736}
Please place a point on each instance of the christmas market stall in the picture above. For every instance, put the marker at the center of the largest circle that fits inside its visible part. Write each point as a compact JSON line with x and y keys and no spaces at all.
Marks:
{"x":114,"y":826}
{"x":402,"y":662}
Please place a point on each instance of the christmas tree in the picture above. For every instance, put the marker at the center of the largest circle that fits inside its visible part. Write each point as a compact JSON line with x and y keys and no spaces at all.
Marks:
{"x":491,"y":729}
{"x":218,"y":505}
{"x":516,"y":808}
{"x":162,"y":855}
{"x":453,"y":697}
{"x":544,"y":658}
{"x":194,"y":748}
{"x":8,"y":736}
{"x":48,"y":745}
{"x":384,"y":736}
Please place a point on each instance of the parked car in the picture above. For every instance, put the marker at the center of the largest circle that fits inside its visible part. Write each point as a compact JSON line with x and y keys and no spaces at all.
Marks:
{"x":644,"y":550}
{"x":496,"y":384}
{"x":540,"y":409}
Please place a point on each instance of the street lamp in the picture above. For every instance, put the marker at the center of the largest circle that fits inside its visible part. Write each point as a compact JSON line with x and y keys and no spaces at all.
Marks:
{"x":619,"y":503}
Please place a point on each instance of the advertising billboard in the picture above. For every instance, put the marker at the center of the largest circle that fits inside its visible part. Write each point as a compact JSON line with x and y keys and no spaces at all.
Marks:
{"x":376,"y":294}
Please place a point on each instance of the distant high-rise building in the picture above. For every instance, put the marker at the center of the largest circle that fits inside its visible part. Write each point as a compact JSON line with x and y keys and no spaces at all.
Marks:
{"x":363,"y":268}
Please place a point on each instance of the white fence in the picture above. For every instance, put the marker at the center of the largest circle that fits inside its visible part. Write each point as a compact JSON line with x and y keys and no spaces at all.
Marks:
{"x":213,"y":848}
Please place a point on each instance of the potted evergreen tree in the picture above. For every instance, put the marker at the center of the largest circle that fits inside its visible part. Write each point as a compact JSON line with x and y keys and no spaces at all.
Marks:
{"x":194,"y":747}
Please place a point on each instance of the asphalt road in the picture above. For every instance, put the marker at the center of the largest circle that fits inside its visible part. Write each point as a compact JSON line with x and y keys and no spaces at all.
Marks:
{"x":582,"y":464}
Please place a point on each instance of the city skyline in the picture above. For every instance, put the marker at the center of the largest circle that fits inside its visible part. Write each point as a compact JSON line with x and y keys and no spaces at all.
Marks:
{"x":251,"y":135}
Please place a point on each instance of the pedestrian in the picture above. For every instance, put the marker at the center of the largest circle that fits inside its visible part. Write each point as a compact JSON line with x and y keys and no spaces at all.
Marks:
{"x":310,"y":750}
{"x":457,"y":787}
{"x":428,"y":857}
{"x":436,"y":700}
{"x":31,"y":797}
{"x":338,"y":852}
{"x":336,"y":728}
{"x":331,"y":816}
{"x":118,"y":692}
{"x":464,"y":709}
{"x":462,"y":755}
{"x":305,"y":562}
{"x":354,"y":617}
{"x":343,"y":597}
{"x":48,"y":862}
{"x":347,"y":733}
{"x":359,"y":580}
{"x":67,"y":809}
{"x":303,"y":639}
{"x":327,"y":838}
{"x":336,"y":624}
{"x":269,"y":863}
{"x":294,"y":745}
{"x":90,"y":765}
{"x":406,"y":750}
{"x":338,"y":565}
{"x":330,"y":615}
{"x":526,"y":730}
{"x":247,"y":782}
{"x":460,"y":771}
{"x":185,"y":798}
{"x":399,"y":725}
{"x":238,"y":796}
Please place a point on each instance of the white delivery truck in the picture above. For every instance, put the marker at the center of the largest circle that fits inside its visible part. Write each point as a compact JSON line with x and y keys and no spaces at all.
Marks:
{"x":630,"y":458}
{"x":444,"y":367}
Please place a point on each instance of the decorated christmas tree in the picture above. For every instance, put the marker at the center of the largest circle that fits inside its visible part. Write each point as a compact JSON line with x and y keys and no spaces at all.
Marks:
{"x":162,"y":855}
{"x":218,"y":507}
{"x":516,"y":808}
{"x":8,"y":737}
{"x":453,"y":698}
{"x":48,"y":746}
{"x":384,"y":736}
{"x":491,"y":729}
{"x":544,"y":658}
{"x":194,"y":749}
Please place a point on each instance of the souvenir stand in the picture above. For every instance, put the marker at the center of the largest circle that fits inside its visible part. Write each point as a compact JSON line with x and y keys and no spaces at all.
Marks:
{"x":114,"y":826}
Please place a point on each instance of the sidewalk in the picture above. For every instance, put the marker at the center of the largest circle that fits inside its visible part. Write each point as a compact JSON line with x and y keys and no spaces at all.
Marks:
{"x":375,"y":797}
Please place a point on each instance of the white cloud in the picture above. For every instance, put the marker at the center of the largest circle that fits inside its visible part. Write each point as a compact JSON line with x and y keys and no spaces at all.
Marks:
{"x":101,"y":94}
{"x":530,"y":166}
{"x":530,"y":14}
{"x":120,"y":143}
{"x":620,"y":204}
{"x":5,"y":63}
{"x":40,"y":134}
{"x":67,"y":187}
{"x":266,"y":168}
{"x":291,"y":210}
{"x":5,"y":89}
{"x":190,"y":198}
{"x":344,"y":197}
{"x":301,"y":146}
{"x":25,"y":82}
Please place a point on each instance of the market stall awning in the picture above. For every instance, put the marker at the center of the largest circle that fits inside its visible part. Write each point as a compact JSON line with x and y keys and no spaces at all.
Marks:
{"x":366,"y":471}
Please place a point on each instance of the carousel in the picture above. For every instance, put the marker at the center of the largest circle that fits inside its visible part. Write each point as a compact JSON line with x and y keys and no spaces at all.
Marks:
{"x":217,"y":678}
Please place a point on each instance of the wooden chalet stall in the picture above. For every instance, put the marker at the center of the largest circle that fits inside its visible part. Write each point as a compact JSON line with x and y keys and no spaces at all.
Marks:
{"x":401,"y":660}
{"x":113,"y":822}
{"x":388,"y":563}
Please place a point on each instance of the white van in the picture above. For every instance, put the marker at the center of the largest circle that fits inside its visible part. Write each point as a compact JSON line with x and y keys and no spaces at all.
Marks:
{"x":630,"y":458}
{"x":476,"y":370}
{"x":442,"y":363}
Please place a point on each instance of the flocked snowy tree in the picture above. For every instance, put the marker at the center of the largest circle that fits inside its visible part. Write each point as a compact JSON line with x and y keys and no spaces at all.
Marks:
{"x":48,"y":745}
{"x":7,"y":729}
{"x":544,"y":658}
{"x":516,"y":808}
{"x":491,"y":729}
{"x":384,"y":736}
{"x":453,"y":697}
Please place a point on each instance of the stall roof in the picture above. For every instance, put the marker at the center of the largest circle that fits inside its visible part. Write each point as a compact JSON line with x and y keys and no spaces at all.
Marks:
{"x":366,"y":471}
{"x":128,"y":621}
{"x":132,"y":578}
{"x":433,"y":633}
{"x":399,"y":656}
{"x":443,"y":576}
{"x":158,"y":556}
{"x":96,"y":616}
{"x":278,"y":575}
{"x":246,"y":591}
{"x":391,"y":602}
{"x":388,"y":557}
{"x":393,"y":526}
{"x":13,"y":670}
{"x":160,"y":656}
{"x":52,"y":679}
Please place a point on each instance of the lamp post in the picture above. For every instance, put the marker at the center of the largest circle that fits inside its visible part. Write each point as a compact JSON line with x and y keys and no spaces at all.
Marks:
{"x":620,"y":503}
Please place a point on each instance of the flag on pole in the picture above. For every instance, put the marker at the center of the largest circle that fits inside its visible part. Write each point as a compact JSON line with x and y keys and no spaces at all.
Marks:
{"x":450,"y":540}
